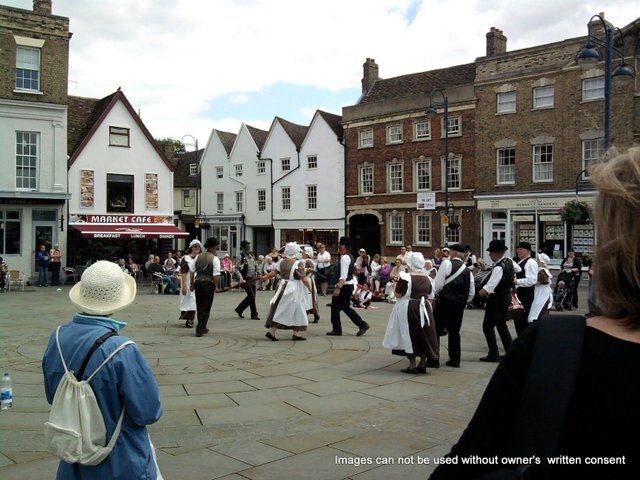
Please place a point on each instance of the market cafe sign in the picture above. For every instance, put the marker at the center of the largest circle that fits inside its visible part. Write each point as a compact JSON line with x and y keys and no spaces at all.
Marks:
{"x":120,"y":219}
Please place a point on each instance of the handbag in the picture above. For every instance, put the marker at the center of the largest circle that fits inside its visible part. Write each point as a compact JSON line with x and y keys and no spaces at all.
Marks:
{"x":515,"y":310}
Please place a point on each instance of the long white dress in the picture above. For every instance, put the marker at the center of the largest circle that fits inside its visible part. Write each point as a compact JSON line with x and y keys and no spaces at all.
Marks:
{"x":188,"y":301}
{"x":542,"y":298}
{"x":288,"y":305}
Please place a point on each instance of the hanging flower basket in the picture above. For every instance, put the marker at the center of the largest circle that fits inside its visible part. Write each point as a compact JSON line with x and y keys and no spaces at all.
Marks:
{"x":454,"y":225}
{"x":575,"y":211}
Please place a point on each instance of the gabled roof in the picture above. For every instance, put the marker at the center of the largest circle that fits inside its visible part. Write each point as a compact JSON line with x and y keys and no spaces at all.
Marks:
{"x":334,"y":122}
{"x":423,"y":82}
{"x":227,"y":139}
{"x":182,"y":177}
{"x":296,"y":132}
{"x":85,"y":115}
{"x":259,"y":136}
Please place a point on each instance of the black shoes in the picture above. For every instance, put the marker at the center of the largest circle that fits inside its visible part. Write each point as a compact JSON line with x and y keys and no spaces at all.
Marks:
{"x":255,"y":317}
{"x":362,"y":331}
{"x":238,"y":313}
{"x":271,"y":336}
{"x":453,"y":364}
{"x":199,"y":334}
{"x":414,"y":370}
{"x":433,"y":363}
{"x":334,"y":334}
{"x":298,"y":339}
{"x":316,"y":318}
{"x":490,"y":358}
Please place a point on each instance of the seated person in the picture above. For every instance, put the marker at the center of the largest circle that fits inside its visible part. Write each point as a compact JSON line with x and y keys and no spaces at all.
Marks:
{"x":157,"y":271}
{"x":362,"y":296}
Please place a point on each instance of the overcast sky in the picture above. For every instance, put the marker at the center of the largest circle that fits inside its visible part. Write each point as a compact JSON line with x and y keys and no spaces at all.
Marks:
{"x":190,"y":66}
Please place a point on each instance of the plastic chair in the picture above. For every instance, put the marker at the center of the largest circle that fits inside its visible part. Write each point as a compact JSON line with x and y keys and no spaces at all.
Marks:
{"x":70,"y":273}
{"x":16,"y":277}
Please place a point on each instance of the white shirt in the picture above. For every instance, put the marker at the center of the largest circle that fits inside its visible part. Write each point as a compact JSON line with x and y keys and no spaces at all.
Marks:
{"x":531,"y":274}
{"x":324,"y":259}
{"x":345,"y":261}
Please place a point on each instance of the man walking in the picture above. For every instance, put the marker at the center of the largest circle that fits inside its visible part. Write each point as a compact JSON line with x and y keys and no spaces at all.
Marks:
{"x":497,"y":290}
{"x":206,"y":283}
{"x":248,"y":277}
{"x":453,"y":287}
{"x":343,"y":290}
{"x":525,"y":283}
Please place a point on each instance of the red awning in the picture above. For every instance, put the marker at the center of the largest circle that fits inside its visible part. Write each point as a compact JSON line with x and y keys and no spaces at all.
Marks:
{"x":152,"y":230}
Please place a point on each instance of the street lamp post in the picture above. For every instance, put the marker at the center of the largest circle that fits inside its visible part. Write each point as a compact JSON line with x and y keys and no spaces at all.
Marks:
{"x":589,"y":56}
{"x":197,"y":217}
{"x":431,"y":111}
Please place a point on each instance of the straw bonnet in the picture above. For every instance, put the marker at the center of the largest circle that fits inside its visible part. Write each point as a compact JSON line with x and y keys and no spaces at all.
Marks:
{"x":103,"y":289}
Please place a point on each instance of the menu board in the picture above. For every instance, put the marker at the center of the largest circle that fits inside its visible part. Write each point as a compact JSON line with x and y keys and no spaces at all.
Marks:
{"x":151,"y":190}
{"x":87,"y":188}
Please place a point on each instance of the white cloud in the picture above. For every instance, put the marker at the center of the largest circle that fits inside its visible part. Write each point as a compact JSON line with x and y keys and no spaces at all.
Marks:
{"x":172,"y":58}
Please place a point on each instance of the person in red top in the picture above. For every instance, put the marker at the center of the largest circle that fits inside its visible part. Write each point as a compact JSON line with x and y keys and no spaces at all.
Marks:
{"x":54,"y":264}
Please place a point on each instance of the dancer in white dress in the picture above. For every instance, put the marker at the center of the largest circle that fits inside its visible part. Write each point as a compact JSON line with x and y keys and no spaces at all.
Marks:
{"x":188,"y":296}
{"x":288,"y":305}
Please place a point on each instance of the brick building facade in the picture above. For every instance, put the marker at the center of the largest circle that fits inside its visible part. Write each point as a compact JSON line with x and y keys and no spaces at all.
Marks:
{"x":539,"y":124}
{"x":395,"y":155}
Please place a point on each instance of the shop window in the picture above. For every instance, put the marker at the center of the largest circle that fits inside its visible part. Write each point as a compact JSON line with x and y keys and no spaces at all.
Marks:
{"x":119,"y":193}
{"x":10,"y":232}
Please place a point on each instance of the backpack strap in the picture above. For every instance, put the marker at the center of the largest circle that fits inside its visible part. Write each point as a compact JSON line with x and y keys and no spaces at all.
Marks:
{"x":554,"y":368}
{"x":106,"y":360}
{"x":93,"y":348}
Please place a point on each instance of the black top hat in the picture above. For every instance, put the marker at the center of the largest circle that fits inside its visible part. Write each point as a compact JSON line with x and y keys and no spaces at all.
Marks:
{"x":497,"y":246}
{"x":211,"y":242}
{"x":244,"y":243}
{"x":526,"y":245}
{"x":346,"y":241}
{"x":458,"y":247}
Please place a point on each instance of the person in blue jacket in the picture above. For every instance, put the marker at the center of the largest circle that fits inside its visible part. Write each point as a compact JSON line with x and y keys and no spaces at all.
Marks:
{"x":126,"y":380}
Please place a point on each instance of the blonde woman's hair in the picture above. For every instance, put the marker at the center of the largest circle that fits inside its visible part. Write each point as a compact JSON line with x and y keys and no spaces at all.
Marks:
{"x":617,"y":220}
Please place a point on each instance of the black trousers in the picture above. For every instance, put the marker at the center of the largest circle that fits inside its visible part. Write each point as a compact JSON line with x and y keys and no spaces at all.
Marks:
{"x":525,"y":294}
{"x":249,"y":300}
{"x":342,"y":303}
{"x":448,"y":315}
{"x":495,"y":318}
{"x":204,"y":291}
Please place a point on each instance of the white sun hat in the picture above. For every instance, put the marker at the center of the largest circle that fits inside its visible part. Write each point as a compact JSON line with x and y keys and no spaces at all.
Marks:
{"x":103,"y":289}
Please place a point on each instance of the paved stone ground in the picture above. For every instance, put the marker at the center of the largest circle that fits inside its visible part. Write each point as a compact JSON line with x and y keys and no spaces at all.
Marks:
{"x":238,"y":406}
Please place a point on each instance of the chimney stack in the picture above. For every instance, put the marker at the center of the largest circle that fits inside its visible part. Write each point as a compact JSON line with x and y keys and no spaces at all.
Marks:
{"x":496,"y":42}
{"x":42,"y":6}
{"x":369,"y":75}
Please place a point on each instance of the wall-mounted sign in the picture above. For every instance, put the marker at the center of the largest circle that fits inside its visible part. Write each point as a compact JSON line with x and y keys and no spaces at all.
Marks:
{"x":426,"y":201}
{"x":136,"y":219}
{"x":87,"y":188}
{"x":151,"y":190}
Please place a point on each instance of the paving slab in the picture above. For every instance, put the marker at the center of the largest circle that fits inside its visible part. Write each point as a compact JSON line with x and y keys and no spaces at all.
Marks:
{"x":237,"y":406}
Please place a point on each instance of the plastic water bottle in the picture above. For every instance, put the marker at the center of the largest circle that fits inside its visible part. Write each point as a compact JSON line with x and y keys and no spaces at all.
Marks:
{"x":7,"y":392}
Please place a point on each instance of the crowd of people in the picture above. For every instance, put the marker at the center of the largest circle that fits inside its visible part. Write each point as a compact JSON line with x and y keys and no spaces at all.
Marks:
{"x":582,"y":418}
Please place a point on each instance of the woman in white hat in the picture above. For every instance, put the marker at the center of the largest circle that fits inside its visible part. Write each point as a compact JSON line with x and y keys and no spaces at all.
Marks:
{"x":187,"y":272}
{"x":125,"y":380}
{"x":411,"y":331}
{"x":288,"y":305}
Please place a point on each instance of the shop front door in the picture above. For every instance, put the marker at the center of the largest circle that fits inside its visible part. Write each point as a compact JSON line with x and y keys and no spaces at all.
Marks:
{"x":43,"y":233}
